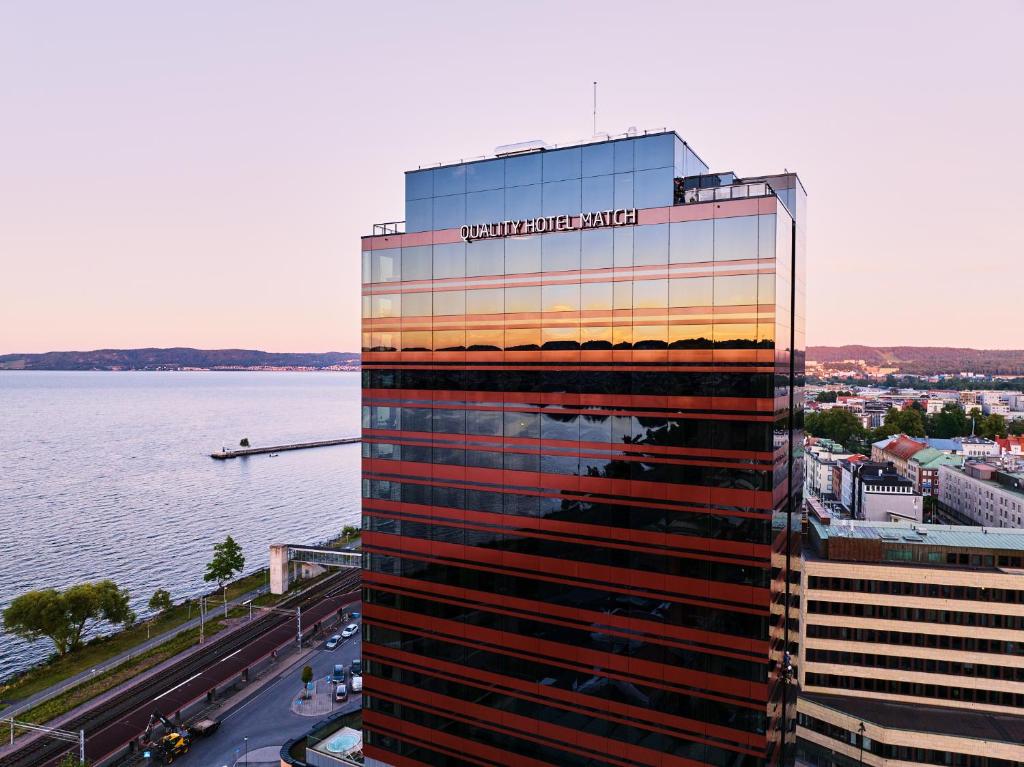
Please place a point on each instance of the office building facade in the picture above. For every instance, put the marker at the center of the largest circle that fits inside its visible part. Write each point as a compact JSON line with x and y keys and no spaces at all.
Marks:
{"x":582,"y":373}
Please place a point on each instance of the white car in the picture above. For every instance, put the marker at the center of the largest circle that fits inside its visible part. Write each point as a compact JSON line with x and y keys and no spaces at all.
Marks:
{"x":333,"y":642}
{"x":349,"y":630}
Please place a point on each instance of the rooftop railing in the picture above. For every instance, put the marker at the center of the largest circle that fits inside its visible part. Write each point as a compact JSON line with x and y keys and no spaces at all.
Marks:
{"x":730,"y":192}
{"x":389,"y":227}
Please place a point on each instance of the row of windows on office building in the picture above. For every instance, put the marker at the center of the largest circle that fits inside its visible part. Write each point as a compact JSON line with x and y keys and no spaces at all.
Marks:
{"x":916,"y":689}
{"x":679,"y":703}
{"x":704,"y":523}
{"x":909,"y":639}
{"x":814,"y":754}
{"x":686,"y":611}
{"x":918,"y":614}
{"x":554,"y":380}
{"x":620,"y":430}
{"x":921,"y":665}
{"x":709,"y":240}
{"x":933,"y":590}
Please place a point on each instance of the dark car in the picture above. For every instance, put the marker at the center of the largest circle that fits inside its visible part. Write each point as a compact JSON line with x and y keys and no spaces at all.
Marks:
{"x":357,"y":667}
{"x":339,"y":676}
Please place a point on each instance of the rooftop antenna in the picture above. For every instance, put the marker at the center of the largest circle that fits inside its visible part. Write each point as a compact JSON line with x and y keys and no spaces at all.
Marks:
{"x":595,"y":107}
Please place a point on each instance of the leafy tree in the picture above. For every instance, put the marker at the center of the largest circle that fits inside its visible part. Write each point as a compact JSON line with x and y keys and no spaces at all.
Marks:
{"x":227,"y":562}
{"x":160,"y":601}
{"x":992,"y":426}
{"x":950,"y":422}
{"x":909,"y":422}
{"x":64,"y":616}
{"x":826,"y":396}
{"x":836,"y":424}
{"x":307,"y":677}
{"x":1016,"y":428}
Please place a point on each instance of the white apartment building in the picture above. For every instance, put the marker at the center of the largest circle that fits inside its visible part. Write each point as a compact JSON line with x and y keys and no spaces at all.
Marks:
{"x":983,"y":492}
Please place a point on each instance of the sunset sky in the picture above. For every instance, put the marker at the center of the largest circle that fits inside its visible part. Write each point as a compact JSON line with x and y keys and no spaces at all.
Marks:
{"x":199,"y":173}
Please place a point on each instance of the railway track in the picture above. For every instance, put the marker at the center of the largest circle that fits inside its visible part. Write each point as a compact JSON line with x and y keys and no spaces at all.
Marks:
{"x":115,"y":723}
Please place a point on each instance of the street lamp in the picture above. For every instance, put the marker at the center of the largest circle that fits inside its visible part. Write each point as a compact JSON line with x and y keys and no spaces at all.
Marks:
{"x":246,"y":740}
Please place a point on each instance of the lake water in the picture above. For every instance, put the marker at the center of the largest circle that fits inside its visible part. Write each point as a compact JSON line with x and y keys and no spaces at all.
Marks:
{"x":108,"y":475}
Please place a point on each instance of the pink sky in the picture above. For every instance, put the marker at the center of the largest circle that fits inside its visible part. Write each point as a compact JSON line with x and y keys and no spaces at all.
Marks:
{"x":199,"y":174}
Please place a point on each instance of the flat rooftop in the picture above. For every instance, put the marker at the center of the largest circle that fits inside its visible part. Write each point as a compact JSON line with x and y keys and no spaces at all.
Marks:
{"x":953,"y":536}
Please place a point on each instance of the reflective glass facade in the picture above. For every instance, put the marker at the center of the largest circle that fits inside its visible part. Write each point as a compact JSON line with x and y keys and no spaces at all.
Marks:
{"x":578,"y":466}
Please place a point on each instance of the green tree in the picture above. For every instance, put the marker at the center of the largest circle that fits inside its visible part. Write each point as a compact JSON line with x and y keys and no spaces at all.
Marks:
{"x":992,"y":426}
{"x":307,"y":677}
{"x":160,"y":601}
{"x":836,"y":424}
{"x":1016,"y":428}
{"x":227,"y":562}
{"x":64,"y":616}
{"x":826,"y":396}
{"x":71,"y":760}
{"x":950,"y":422}
{"x":909,"y":422}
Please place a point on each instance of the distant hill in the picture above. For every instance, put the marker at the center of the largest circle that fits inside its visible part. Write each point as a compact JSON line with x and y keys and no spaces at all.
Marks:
{"x":176,"y":359}
{"x":925,"y":360}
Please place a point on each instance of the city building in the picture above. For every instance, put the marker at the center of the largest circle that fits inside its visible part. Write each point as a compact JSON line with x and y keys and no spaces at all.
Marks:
{"x":923,"y":469}
{"x":821,"y":458}
{"x":898,"y":450}
{"x":1011,"y":445}
{"x":987,"y":492}
{"x":910,"y":645}
{"x":582,"y":472}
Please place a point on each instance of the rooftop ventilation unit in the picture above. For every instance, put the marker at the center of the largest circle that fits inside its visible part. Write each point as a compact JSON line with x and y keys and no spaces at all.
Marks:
{"x":521,"y":148}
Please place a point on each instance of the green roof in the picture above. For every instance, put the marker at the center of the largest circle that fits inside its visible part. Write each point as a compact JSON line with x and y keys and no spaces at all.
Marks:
{"x":958,"y":536}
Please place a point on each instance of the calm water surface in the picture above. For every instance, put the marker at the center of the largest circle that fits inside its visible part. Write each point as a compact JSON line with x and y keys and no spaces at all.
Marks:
{"x":108,"y":475}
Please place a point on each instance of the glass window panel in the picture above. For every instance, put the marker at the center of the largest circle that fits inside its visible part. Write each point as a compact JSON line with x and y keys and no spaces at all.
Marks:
{"x":623,"y":238}
{"x":449,"y":302}
{"x":522,"y":299}
{"x":560,"y":427}
{"x":597,"y":249}
{"x":416,"y":340}
{"x":416,"y":263}
{"x":525,"y":169}
{"x":522,"y":425}
{"x":691,"y":241}
{"x":596,"y":337}
{"x":594,"y":428}
{"x":522,"y":339}
{"x":561,"y":251}
{"x":766,"y":289}
{"x":485,"y":340}
{"x":367,"y":341}
{"x":485,"y":257}
{"x":419,"y":184}
{"x":385,"y":341}
{"x":366,"y":307}
{"x":561,"y":197}
{"x":650,"y":245}
{"x":484,"y":422}
{"x":766,"y":236}
{"x":737,"y":335}
{"x":485,"y":175}
{"x":450,"y":260}
{"x":489,"y":301}
{"x":450,"y":180}
{"x":522,"y":254}
{"x":598,"y":193}
{"x":417,"y":304}
{"x":449,"y":340}
{"x":386,"y":305}
{"x":653,"y":188}
{"x":691,"y":291}
{"x":485,"y":207}
{"x":736,"y":290}
{"x":622,"y":336}
{"x":598,"y":159}
{"x":561,"y":164}
{"x":623,"y":155}
{"x":450,"y":211}
{"x":623,"y":295}
{"x":522,"y":202}
{"x":386,"y":265}
{"x":560,"y":298}
{"x":623,"y":190}
{"x":596,"y":296}
{"x":654,"y":151}
{"x":735,"y":238}
{"x":650,"y":336}
{"x":419,"y":215}
{"x":689,"y":337}
{"x":560,"y":339}
{"x":650,"y":294}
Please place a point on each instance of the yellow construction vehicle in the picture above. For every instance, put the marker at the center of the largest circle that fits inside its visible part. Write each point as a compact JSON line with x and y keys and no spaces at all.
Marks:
{"x":175,"y":741}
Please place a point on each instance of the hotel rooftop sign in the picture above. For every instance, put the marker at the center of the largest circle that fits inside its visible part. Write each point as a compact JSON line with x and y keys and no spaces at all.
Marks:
{"x":617,"y":217}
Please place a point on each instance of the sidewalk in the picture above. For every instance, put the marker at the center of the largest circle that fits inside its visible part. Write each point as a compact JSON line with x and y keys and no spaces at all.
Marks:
{"x":19,"y":707}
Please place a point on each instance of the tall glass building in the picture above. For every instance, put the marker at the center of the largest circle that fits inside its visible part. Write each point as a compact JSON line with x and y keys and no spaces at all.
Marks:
{"x":582,"y":398}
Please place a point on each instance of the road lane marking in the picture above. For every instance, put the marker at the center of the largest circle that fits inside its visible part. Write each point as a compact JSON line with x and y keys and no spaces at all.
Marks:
{"x":158,"y":697}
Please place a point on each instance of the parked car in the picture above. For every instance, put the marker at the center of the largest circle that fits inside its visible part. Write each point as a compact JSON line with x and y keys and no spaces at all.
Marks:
{"x":205,"y":727}
{"x":340,"y":693}
{"x":355,"y":616}
{"x":349,"y":630}
{"x":357,"y":667}
{"x":357,"y":683}
{"x":339,"y":676}
{"x":333,"y":642}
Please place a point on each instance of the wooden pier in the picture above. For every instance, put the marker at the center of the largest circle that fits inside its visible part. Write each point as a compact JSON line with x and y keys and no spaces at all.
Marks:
{"x":243,"y":451}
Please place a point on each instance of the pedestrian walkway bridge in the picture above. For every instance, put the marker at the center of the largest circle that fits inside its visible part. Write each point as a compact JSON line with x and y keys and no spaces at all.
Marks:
{"x":289,"y":561}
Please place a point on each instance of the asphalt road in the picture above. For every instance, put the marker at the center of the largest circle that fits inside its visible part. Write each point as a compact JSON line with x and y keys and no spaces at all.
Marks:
{"x":113,"y":735}
{"x":266,"y":719}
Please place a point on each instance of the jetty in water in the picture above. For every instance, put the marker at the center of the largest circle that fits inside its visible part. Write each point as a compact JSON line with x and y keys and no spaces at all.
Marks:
{"x":243,"y":451}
